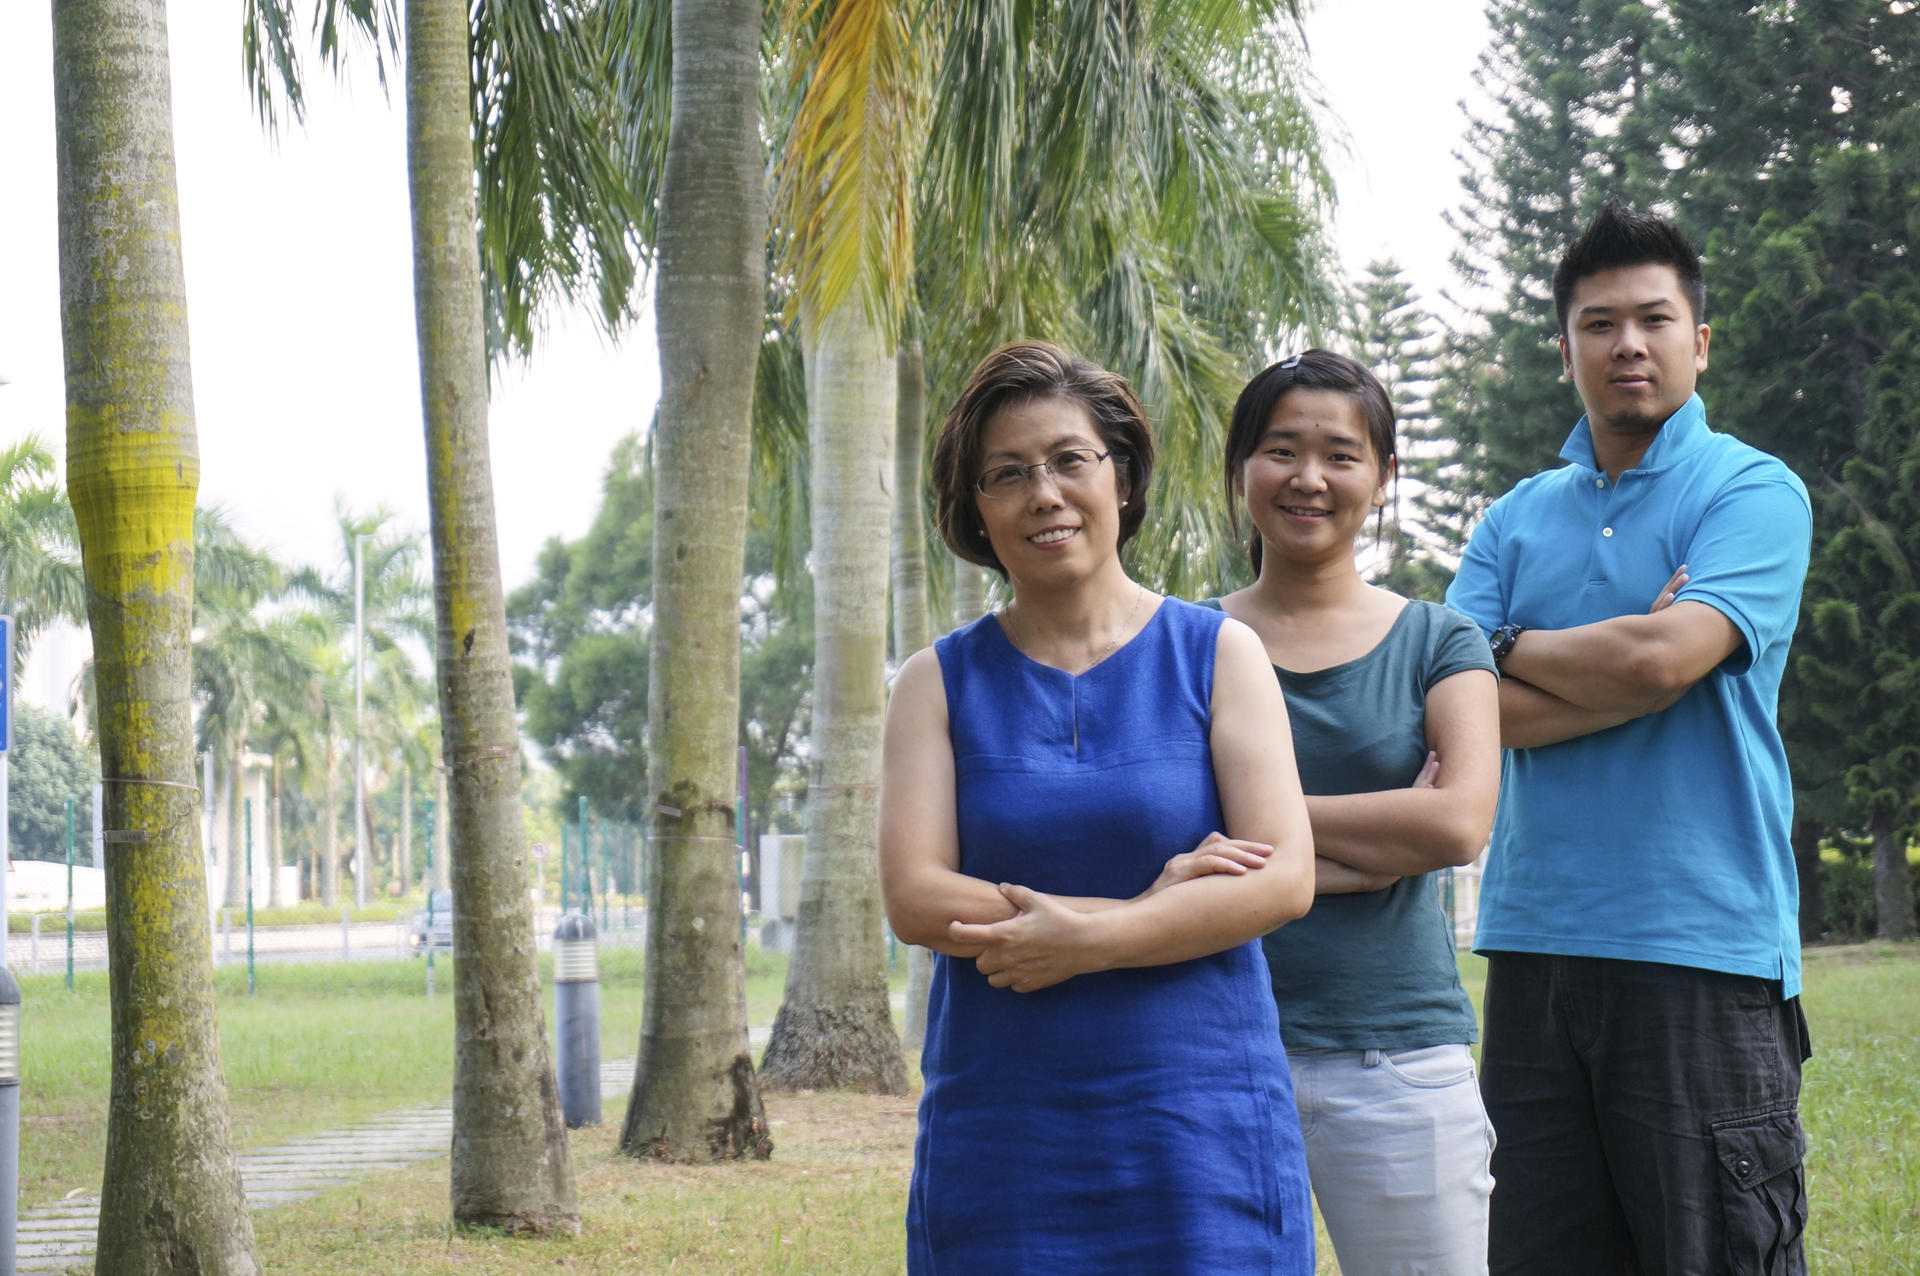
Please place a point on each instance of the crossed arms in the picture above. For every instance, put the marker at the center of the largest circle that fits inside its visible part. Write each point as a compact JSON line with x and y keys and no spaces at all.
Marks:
{"x":1207,"y":901}
{"x":1562,"y":683}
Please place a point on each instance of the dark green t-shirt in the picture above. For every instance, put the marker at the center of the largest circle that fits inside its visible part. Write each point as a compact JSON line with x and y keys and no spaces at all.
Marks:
{"x":1373,"y":971}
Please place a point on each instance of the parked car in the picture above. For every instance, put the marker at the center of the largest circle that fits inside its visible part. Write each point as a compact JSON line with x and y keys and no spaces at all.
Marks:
{"x":438,"y":931}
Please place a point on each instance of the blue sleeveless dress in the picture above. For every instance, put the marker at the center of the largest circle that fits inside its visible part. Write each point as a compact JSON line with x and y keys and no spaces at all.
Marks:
{"x":1127,"y":1121}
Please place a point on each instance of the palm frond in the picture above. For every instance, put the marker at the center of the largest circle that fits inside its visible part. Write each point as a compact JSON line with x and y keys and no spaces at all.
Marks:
{"x":270,"y":49}
{"x":562,"y":211}
{"x":845,"y":185}
{"x":41,"y":580}
{"x":778,"y":484}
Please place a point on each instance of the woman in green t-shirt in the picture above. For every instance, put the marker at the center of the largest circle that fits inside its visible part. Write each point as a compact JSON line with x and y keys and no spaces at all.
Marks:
{"x":1395,"y":718}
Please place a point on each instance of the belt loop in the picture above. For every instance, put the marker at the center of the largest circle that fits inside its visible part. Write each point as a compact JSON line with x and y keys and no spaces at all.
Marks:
{"x":1370,"y":1058}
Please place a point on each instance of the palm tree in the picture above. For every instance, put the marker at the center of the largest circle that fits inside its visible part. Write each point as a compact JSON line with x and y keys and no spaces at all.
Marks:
{"x":395,"y":613}
{"x":242,"y":661}
{"x":40,"y":577}
{"x":298,"y":732}
{"x":171,"y":1197}
{"x":1159,"y":215}
{"x":695,"y":1096}
{"x":512,"y":1167}
{"x":1178,"y":196}
{"x":846,"y":204}
{"x":912,"y":608}
{"x":520,"y":101}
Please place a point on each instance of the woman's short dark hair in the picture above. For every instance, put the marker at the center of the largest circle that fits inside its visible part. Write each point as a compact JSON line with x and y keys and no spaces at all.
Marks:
{"x":1021,"y":373}
{"x":1314,"y":369}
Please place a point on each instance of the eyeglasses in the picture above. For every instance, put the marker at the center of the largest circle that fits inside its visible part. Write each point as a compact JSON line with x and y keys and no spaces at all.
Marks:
{"x":1071,"y":466}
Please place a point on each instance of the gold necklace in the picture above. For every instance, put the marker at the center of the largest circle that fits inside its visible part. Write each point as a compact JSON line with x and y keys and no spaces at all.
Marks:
{"x":1013,"y":632}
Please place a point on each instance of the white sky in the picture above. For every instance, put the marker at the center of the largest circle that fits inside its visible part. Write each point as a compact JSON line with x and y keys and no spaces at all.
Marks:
{"x":299,"y":280}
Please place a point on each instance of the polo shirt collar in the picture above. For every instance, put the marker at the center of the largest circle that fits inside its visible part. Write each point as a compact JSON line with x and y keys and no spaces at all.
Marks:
{"x":1678,"y":438}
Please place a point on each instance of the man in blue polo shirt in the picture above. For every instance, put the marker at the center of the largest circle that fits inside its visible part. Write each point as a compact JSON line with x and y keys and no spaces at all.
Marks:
{"x":1643,"y":1037}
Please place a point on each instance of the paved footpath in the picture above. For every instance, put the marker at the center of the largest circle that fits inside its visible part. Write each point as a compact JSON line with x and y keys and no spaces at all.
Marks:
{"x":55,"y":1238}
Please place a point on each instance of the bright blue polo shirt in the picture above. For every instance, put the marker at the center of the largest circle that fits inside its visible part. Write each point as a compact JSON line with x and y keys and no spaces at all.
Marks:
{"x":1664,"y":839}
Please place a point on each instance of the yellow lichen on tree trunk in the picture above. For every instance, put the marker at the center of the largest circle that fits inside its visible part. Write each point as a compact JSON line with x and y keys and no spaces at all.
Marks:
{"x":171,"y":1198}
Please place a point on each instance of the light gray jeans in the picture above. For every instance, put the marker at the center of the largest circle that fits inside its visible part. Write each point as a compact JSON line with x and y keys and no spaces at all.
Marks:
{"x":1398,"y":1147}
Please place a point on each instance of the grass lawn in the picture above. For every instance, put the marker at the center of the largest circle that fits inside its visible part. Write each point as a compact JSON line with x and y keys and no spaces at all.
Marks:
{"x":831,"y":1199}
{"x":317,"y":1047}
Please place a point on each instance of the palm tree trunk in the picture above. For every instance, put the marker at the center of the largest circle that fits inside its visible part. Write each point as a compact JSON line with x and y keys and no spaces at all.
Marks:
{"x":171,"y":1198}
{"x":912,"y":627}
{"x":330,"y":822}
{"x":273,"y":841}
{"x":835,"y":1029}
{"x":969,"y":592}
{"x":403,"y":849}
{"x":367,"y":839}
{"x":442,"y":844}
{"x":695,"y":1096}
{"x":512,"y":1167}
{"x":221,"y":831}
{"x":236,"y":857}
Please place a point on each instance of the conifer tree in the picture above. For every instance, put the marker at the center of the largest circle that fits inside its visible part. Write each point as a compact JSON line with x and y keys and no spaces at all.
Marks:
{"x":1430,"y":508}
{"x":1562,"y":76}
{"x":1786,"y":141}
{"x":1800,"y":168}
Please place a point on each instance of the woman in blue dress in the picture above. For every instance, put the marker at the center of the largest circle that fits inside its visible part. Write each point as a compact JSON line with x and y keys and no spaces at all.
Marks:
{"x":1086,"y":814}
{"x":1394,"y":713}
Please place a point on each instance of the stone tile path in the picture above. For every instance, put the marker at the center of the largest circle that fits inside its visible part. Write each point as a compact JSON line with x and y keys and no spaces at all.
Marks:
{"x":59,"y":1238}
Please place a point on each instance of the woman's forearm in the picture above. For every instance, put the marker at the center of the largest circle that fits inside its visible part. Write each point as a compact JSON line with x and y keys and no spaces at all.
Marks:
{"x":1398,"y":832}
{"x":1202,"y":916}
{"x":921,"y":906}
{"x":920,"y":912}
{"x":1331,"y":877}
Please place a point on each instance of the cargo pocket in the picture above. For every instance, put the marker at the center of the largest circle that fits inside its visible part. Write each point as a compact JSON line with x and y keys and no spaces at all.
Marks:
{"x":1763,"y":1192}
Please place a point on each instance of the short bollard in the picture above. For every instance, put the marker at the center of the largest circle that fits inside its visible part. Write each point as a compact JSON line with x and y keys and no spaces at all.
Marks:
{"x":9,"y":1119}
{"x":576,"y":1020}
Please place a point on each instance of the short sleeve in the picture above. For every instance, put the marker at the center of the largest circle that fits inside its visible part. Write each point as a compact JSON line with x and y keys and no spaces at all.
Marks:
{"x":1456,"y":646}
{"x":1476,"y":591}
{"x":1748,"y":559}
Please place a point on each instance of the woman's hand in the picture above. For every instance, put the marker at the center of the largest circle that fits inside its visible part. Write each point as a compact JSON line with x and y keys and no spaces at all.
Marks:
{"x":1042,"y":944}
{"x":1216,"y":853}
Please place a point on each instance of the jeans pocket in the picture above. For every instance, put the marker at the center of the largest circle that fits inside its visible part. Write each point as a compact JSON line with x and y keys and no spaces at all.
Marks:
{"x":1763,"y":1192}
{"x":1430,"y":1067}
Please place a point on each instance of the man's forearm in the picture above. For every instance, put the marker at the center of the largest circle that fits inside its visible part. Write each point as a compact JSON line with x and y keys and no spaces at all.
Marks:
{"x":1531,"y":717}
{"x":1616,"y":666}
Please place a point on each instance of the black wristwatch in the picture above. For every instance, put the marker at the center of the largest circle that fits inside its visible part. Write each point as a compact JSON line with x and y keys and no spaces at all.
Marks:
{"x":1501,"y":642}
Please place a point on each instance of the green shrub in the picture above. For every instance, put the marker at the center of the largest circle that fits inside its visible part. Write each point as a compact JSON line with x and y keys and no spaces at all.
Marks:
{"x":1846,"y":893}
